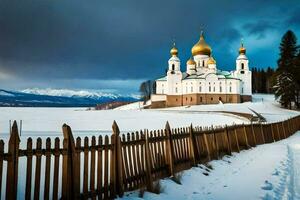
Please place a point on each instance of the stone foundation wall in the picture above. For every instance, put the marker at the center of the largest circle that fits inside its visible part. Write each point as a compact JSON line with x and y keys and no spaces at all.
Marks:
{"x":158,"y":104}
{"x":174,"y":100}
{"x":245,"y":98}
{"x":199,"y":99}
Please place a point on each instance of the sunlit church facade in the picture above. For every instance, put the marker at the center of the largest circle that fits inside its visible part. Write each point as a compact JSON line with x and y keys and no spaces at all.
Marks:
{"x":202,"y":82}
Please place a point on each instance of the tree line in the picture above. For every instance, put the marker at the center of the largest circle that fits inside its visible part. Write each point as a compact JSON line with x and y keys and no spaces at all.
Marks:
{"x":262,"y":80}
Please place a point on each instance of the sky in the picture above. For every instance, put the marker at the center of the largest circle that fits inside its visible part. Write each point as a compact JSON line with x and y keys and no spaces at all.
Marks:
{"x":114,"y":45}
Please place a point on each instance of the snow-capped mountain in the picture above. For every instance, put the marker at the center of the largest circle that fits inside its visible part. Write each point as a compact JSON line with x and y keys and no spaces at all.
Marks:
{"x":59,"y":98}
{"x":73,"y":93}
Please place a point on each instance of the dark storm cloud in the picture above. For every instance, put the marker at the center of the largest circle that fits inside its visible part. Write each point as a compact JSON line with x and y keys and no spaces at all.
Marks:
{"x":47,"y":41}
{"x":260,"y":28}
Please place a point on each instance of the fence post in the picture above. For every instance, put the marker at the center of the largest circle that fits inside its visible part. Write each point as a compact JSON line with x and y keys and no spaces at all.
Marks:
{"x":149,"y":181}
{"x":253,"y":134}
{"x":206,"y":144}
{"x":215,"y":142}
{"x":262,"y":134}
{"x":70,"y":173}
{"x":272,"y":131}
{"x":245,"y":135}
{"x":227,"y":141}
{"x":236,"y":138}
{"x":283,"y":128}
{"x":170,"y":149}
{"x":119,"y":187}
{"x":12,"y":163}
{"x":193,"y":146}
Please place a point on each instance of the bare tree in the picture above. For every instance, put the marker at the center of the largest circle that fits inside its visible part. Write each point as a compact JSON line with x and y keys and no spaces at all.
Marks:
{"x":146,"y":89}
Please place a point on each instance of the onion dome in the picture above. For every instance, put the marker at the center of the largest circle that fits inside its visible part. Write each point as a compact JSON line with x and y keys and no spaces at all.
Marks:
{"x":174,"y":50}
{"x":211,"y":60}
{"x":201,"y":47}
{"x":242,"y":49}
{"x":191,"y":62}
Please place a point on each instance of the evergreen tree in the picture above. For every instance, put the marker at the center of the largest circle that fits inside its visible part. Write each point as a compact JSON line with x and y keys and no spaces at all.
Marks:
{"x":285,"y":88}
{"x":296,"y":73}
{"x":288,"y":52}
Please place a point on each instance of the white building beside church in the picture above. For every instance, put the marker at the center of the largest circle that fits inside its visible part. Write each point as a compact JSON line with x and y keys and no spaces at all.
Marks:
{"x":202,"y":82}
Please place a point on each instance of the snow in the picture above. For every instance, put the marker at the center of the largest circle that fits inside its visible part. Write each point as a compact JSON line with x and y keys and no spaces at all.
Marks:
{"x":48,"y":121}
{"x":72,"y":93}
{"x":269,"y":171}
{"x":264,"y":104}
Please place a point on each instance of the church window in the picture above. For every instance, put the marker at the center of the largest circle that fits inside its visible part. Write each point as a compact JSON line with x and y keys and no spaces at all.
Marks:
{"x":200,"y":89}
{"x":242,"y":90}
{"x":186,"y":90}
{"x":220,"y":88}
{"x":200,"y":99}
{"x":191,"y":89}
{"x":173,"y":67}
{"x":230,"y":89}
{"x":214,"y":89}
{"x":191,"y":99}
{"x":242,"y":66}
{"x":176,"y":90}
{"x":203,"y":63}
{"x":242,"y":72}
{"x":209,"y":88}
{"x":162,"y":91}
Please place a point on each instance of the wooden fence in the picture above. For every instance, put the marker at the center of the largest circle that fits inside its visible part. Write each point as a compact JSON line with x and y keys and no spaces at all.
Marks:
{"x":106,"y":167}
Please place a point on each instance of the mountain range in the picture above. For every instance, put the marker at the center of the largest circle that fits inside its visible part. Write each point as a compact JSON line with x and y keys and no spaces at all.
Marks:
{"x":59,"y":98}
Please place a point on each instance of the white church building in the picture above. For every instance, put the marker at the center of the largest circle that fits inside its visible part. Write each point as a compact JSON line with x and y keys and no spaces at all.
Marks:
{"x":202,"y":82}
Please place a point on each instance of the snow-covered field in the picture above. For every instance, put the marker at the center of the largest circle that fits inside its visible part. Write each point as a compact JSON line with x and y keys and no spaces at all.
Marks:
{"x":268,"y":172}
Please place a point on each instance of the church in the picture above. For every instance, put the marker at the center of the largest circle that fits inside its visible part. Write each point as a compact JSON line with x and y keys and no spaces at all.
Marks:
{"x":202,"y":82}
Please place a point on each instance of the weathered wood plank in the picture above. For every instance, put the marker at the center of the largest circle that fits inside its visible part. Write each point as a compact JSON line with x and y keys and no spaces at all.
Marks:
{"x":28,"y":170}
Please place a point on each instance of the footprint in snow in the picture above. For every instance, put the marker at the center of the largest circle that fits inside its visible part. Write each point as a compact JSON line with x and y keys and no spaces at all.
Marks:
{"x":267,"y":186}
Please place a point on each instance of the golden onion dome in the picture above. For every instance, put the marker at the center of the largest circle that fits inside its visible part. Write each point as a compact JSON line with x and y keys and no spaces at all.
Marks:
{"x":242,"y":49}
{"x":201,"y":47}
{"x":211,"y":60}
{"x":191,"y":62}
{"x":174,"y":50}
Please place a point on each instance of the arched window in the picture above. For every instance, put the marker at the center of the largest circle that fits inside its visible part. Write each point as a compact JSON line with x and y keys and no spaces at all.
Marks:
{"x":173,"y":67}
{"x":229,"y":88}
{"x":200,"y":89}
{"x":176,"y":90}
{"x":214,"y":89}
{"x":191,"y":89}
{"x":209,"y":88}
{"x":242,"y":66}
{"x":203,"y":63}
{"x":220,"y":88}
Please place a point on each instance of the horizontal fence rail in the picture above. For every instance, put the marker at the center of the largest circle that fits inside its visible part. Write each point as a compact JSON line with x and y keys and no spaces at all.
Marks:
{"x":106,"y":167}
